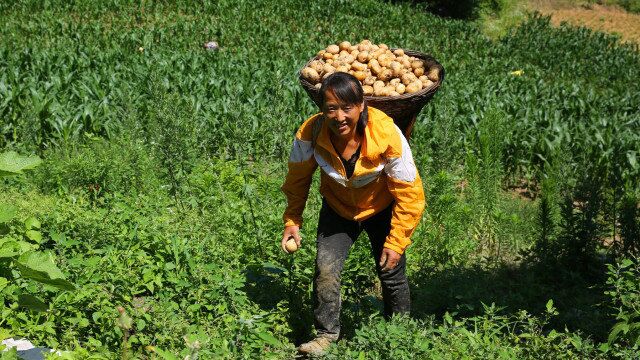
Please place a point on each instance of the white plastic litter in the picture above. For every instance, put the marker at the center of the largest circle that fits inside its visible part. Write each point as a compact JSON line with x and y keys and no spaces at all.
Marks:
{"x":20,"y":345}
{"x":211,"y":45}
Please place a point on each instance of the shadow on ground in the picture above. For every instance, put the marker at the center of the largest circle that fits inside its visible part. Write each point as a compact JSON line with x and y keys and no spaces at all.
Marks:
{"x":578,"y":294}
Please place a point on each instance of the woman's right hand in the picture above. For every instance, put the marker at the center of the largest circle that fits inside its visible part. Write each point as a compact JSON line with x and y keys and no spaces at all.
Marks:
{"x":292,"y":231}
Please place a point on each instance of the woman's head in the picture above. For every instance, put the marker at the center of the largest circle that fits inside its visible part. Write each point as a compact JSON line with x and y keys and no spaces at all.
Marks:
{"x":343,"y":104}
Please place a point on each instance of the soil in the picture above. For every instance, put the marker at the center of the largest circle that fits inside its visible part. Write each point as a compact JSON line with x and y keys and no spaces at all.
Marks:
{"x":610,"y":19}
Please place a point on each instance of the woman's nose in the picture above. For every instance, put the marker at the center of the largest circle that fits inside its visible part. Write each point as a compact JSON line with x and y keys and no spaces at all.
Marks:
{"x":341,"y":115}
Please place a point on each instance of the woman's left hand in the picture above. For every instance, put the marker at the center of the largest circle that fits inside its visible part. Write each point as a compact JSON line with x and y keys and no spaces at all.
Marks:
{"x":389,"y":259}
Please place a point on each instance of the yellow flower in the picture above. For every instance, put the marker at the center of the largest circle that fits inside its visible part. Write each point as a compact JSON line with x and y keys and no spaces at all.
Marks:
{"x":517,"y":72}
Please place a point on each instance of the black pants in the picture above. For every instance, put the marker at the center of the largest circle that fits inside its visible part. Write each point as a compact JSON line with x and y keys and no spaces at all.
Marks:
{"x":335,"y":237}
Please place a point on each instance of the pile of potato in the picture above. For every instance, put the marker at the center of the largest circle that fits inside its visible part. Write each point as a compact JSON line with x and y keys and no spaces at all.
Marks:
{"x":381,"y":71}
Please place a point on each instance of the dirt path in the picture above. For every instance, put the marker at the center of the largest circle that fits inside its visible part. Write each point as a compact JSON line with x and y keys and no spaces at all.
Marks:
{"x":603,"y":18}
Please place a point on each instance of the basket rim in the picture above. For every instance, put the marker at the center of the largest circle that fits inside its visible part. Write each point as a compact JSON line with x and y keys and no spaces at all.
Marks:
{"x":426,"y":91}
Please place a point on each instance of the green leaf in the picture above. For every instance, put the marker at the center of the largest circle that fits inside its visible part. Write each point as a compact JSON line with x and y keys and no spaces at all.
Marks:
{"x":34,"y":235}
{"x":631,"y":156}
{"x":32,"y":223}
{"x":164,"y":354}
{"x":31,"y":302}
{"x":3,"y":283}
{"x":7,"y":212}
{"x":269,"y":339}
{"x":619,"y":327}
{"x":9,"y":249}
{"x":550,"y":308}
{"x":4,"y":334}
{"x":13,"y":163}
{"x":39,"y":266}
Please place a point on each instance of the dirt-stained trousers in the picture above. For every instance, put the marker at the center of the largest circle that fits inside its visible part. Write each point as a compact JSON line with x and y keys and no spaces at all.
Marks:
{"x":336,"y":235}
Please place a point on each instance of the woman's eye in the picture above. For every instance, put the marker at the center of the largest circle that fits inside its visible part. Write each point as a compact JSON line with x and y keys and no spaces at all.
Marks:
{"x":347,"y":108}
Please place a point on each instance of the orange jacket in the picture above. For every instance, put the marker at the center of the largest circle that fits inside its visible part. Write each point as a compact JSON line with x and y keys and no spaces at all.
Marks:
{"x":384,"y":172}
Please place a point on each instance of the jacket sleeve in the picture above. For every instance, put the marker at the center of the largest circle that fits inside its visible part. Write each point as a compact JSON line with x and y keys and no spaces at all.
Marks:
{"x":301,"y":165}
{"x":405,"y":186}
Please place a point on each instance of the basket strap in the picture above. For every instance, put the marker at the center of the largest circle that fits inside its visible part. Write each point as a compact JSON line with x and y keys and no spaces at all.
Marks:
{"x":315,"y":131}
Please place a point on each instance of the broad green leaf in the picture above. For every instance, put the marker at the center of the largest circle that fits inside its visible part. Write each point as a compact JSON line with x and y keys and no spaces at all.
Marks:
{"x":631,"y":156}
{"x":39,"y":266}
{"x":31,"y":302}
{"x":269,"y":339}
{"x":9,"y":249}
{"x":619,"y":327}
{"x":7,"y":212}
{"x":34,"y":235}
{"x":32,"y":223}
{"x":163,"y":354}
{"x":3,"y":283}
{"x":550,"y":306}
{"x":13,"y":163}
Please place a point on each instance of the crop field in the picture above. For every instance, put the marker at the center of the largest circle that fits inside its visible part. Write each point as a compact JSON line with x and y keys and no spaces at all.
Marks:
{"x":151,"y":227}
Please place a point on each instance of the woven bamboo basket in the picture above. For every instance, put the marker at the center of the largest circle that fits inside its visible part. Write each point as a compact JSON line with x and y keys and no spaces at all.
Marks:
{"x":403,"y":109}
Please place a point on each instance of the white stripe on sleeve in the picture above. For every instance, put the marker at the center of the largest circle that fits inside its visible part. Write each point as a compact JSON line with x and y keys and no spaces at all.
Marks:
{"x":402,"y":168}
{"x":300,"y":151}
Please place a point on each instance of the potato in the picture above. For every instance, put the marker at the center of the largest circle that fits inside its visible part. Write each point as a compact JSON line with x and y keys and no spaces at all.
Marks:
{"x":368,"y":90}
{"x":353,"y":48}
{"x":427,"y":84}
{"x":358,"y":66}
{"x":394,"y":81}
{"x":417,"y":64}
{"x":360,"y":75}
{"x":433,"y":74}
{"x":310,"y":74}
{"x":423,"y":78}
{"x":333,"y":49}
{"x":327,"y":56}
{"x":398,"y":52}
{"x":343,"y":68}
{"x":396,"y":68}
{"x":354,"y":53}
{"x":409,"y":78}
{"x":418,"y":71}
{"x":326,"y":75}
{"x":372,"y":63}
{"x":381,"y":91}
{"x":376,"y":69}
{"x":317,"y":65}
{"x":343,"y":53}
{"x":345,"y":45}
{"x":321,"y":52}
{"x":363,"y":56}
{"x":370,"y":80}
{"x":393,"y":93}
{"x":385,"y":74}
{"x":414,"y":87}
{"x":400,"y":88}
{"x":291,"y":246}
{"x":363,"y":47}
{"x":328,"y":69}
{"x":383,"y":46}
{"x":378,"y":84}
{"x":347,"y":58}
{"x":376,"y":54}
{"x":384,"y":60}
{"x":318,"y":85}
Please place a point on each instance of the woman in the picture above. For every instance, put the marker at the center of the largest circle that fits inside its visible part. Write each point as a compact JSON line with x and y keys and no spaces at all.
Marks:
{"x":368,"y":182}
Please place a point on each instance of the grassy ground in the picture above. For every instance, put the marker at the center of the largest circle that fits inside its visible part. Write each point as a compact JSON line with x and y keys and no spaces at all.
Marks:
{"x":606,"y":17}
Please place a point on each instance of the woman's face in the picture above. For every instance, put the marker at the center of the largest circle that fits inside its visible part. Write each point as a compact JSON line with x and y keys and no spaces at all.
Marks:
{"x":343,"y":118}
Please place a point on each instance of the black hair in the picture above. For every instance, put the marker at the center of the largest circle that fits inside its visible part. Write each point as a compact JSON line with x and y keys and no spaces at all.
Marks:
{"x":348,"y":90}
